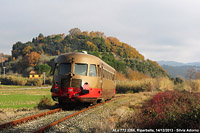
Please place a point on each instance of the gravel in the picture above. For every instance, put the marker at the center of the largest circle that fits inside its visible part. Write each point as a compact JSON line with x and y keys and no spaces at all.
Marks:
{"x":99,"y":119}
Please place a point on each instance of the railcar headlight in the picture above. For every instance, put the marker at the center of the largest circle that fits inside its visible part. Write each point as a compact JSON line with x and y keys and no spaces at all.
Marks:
{"x":70,"y":90}
{"x":82,"y":83}
{"x":76,"y":94}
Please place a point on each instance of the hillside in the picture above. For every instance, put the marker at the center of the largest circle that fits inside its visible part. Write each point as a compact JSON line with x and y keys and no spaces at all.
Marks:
{"x":124,"y":58}
{"x":174,"y":63}
{"x":180,"y":71}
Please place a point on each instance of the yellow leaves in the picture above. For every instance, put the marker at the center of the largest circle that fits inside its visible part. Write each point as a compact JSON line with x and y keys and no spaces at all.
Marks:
{"x":97,"y":34}
{"x":156,"y":64}
{"x":92,"y":34}
{"x":114,"y":41}
{"x":91,"y":46}
{"x":27,"y":50}
{"x":133,"y":75}
{"x":85,"y":33}
{"x":120,"y":76}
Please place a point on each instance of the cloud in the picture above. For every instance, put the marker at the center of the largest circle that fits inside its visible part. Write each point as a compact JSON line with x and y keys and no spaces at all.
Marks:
{"x":161,"y":30}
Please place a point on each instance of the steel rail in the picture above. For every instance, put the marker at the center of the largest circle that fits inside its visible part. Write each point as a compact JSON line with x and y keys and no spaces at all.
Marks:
{"x":15,"y":122}
{"x":42,"y":129}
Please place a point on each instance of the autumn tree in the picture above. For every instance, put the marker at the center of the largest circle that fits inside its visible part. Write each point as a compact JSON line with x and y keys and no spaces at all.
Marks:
{"x":27,"y":50}
{"x":31,"y":59}
{"x":91,"y":46}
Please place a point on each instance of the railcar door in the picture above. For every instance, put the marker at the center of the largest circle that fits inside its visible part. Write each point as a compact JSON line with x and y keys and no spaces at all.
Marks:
{"x":100,"y":68}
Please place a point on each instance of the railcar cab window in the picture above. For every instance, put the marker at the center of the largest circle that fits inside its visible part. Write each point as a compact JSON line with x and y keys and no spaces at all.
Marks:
{"x":63,"y":68}
{"x":93,"y":71}
{"x":81,"y":69}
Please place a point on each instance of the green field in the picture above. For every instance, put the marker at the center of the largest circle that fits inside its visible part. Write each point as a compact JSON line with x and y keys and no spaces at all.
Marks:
{"x":20,"y":97}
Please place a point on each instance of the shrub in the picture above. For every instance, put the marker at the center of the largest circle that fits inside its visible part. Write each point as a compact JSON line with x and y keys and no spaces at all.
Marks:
{"x":44,"y":103}
{"x":35,"y":82}
{"x":194,"y":85}
{"x":13,"y":80}
{"x":171,"y":109}
{"x":49,"y":80}
{"x":147,"y":84}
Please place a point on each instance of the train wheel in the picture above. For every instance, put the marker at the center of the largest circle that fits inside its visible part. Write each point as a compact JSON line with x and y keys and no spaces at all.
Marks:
{"x":94,"y":103}
{"x":102,"y":100}
{"x":60,"y":102}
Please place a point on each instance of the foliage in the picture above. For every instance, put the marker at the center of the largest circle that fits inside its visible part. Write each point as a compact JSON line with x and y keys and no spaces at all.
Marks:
{"x":146,"y":67}
{"x":45,"y":102}
{"x":170,"y":109}
{"x":40,"y":68}
{"x":31,"y":59}
{"x":118,"y":65}
{"x":13,"y":80}
{"x":34,"y":82}
{"x":146,"y":84}
{"x":19,"y":80}
{"x":110,"y":49}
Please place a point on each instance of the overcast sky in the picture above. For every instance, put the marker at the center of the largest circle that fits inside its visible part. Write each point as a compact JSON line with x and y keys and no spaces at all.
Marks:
{"x":158,"y":29}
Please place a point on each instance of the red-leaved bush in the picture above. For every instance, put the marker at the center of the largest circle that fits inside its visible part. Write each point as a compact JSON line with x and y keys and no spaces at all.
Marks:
{"x":171,"y":109}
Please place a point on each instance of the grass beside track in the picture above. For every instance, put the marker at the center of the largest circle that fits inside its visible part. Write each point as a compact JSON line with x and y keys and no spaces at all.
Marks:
{"x":17,"y":97}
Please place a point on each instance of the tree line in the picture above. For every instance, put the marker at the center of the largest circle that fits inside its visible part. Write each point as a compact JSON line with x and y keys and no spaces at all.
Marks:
{"x":32,"y":54}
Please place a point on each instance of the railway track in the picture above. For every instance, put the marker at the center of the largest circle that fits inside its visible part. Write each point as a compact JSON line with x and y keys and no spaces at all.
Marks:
{"x":57,"y":118}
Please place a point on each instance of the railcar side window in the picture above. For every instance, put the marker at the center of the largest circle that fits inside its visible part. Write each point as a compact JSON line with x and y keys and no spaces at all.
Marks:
{"x":99,"y":71}
{"x":65,"y":68}
{"x":81,"y":69}
{"x":93,"y":71}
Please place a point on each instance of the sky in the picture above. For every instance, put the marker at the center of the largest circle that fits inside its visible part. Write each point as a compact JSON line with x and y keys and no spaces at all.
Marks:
{"x":159,"y":29}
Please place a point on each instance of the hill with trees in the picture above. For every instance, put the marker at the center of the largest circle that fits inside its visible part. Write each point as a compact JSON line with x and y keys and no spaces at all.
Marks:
{"x":38,"y":54}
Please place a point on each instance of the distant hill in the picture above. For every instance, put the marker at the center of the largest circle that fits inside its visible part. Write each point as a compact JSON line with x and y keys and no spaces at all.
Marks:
{"x":123,"y":57}
{"x":177,"y":69}
{"x":170,"y":63}
{"x":174,"y":63}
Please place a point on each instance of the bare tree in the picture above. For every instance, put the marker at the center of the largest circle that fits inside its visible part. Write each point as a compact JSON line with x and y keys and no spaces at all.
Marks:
{"x":74,"y":31}
{"x":191,"y":73}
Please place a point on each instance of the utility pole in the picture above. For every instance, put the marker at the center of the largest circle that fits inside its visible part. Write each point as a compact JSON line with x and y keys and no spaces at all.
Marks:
{"x":1,"y":64}
{"x":4,"y":71}
{"x":44,"y":77}
{"x":2,"y":60}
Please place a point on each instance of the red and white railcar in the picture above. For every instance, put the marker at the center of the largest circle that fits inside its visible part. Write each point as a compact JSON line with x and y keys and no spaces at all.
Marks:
{"x":80,"y":77}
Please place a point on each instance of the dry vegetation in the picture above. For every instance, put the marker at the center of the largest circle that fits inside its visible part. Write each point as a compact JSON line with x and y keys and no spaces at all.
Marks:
{"x":170,"y":109}
{"x":156,"y":84}
{"x":19,"y":80}
{"x":177,"y":105}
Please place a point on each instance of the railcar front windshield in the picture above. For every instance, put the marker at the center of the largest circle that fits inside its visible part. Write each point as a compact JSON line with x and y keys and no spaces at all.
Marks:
{"x":63,"y":68}
{"x":81,"y":69}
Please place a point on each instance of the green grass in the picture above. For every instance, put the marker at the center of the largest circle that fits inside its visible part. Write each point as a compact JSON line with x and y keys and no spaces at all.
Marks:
{"x":22,"y":98}
{"x":14,"y":86}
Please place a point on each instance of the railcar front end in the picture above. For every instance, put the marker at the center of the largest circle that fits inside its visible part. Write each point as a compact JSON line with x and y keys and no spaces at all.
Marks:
{"x":79,"y":78}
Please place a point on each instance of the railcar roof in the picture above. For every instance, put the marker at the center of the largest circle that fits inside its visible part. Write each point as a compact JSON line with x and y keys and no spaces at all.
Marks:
{"x":81,"y":57}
